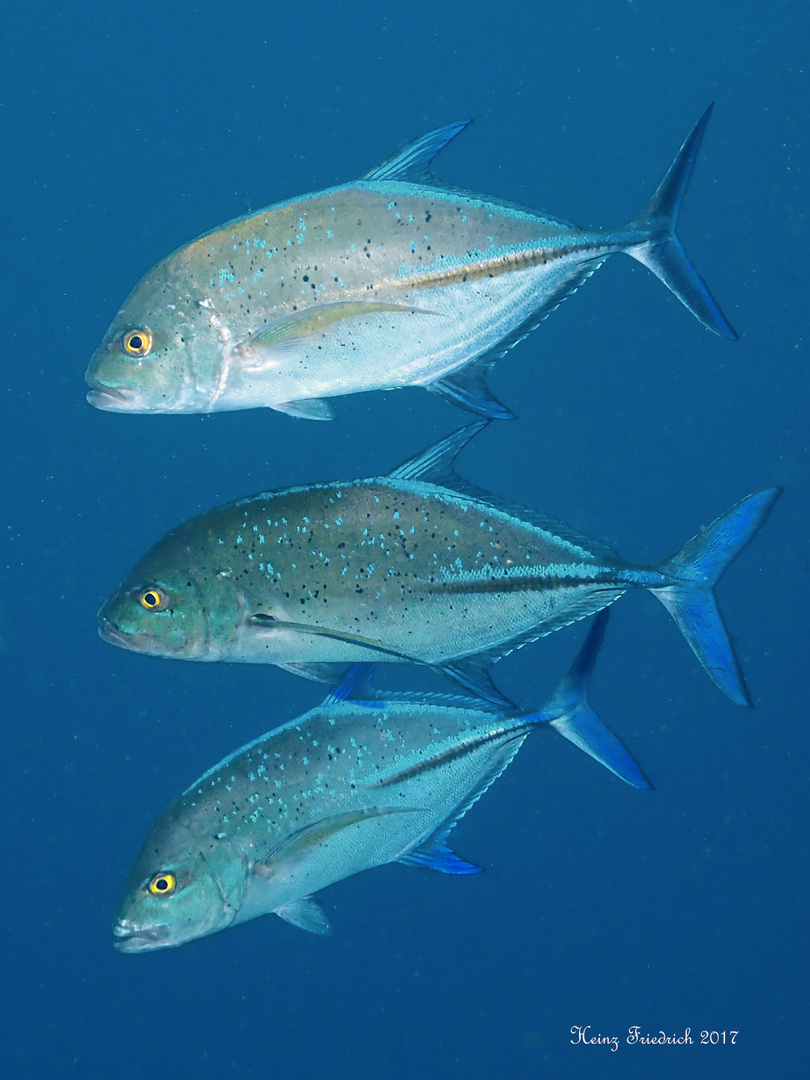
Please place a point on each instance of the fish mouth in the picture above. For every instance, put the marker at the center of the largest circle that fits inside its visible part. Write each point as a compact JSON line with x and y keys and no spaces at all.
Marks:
{"x":132,"y":938}
{"x":109,"y":632}
{"x":107,"y":398}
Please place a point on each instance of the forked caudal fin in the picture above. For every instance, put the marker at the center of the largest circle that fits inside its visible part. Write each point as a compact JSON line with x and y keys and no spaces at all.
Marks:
{"x":569,"y":712}
{"x":663,"y":252}
{"x":690,"y":599}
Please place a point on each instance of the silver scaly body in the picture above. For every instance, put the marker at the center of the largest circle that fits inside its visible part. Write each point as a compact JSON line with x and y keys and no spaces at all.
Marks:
{"x":351,"y":785}
{"x":394,"y":280}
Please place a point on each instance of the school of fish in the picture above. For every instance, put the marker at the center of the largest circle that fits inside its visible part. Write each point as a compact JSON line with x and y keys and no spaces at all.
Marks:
{"x":392,"y":281}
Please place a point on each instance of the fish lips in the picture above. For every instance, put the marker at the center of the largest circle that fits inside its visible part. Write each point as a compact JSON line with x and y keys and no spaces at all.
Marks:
{"x":109,"y":398}
{"x":111,"y":633}
{"x":131,"y":938}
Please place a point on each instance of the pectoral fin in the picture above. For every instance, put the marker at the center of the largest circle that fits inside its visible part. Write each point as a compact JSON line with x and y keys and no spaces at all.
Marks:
{"x":261,"y":350}
{"x":264,"y":623}
{"x":302,"y":840}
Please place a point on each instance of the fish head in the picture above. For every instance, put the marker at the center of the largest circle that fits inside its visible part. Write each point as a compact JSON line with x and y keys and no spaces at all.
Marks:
{"x":163,"y":351}
{"x":184,"y":885}
{"x":175,"y":603}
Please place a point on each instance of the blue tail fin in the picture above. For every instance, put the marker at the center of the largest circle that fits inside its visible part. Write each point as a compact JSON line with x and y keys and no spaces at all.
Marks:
{"x":663,"y":252}
{"x":691,"y":601}
{"x":569,"y":713}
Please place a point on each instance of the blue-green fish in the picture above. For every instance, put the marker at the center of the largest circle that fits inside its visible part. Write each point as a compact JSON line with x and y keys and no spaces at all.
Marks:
{"x":351,"y":785}
{"x":393,"y":280}
{"x":417,"y":566}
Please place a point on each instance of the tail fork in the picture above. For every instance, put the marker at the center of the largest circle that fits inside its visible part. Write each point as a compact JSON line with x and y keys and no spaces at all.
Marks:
{"x":663,"y":253}
{"x":690,"y":599}
{"x":569,"y":712}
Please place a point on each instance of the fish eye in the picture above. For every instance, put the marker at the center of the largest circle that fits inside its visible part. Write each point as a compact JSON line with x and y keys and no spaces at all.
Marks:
{"x":162,"y":884}
{"x":137,"y":342}
{"x":152,"y":599}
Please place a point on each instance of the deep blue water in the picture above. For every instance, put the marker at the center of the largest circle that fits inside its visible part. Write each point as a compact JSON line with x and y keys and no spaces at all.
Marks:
{"x":127,"y":131}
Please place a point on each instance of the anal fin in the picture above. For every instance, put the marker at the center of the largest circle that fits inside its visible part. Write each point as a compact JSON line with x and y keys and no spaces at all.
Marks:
{"x":307,"y":409}
{"x":323,"y":672}
{"x":468,"y":388}
{"x":306,"y":914}
{"x":434,"y":854}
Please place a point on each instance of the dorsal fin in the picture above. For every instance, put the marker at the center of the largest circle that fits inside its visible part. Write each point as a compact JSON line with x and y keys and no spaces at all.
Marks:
{"x":354,"y":683}
{"x":473,"y":673}
{"x":436,"y":466}
{"x":412,"y":161}
{"x":436,"y":463}
{"x":422,"y":699}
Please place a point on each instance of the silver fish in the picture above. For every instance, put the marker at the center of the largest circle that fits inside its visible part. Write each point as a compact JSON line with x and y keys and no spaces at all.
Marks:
{"x":350,"y":785}
{"x":394,"y":280}
{"x":417,"y":566}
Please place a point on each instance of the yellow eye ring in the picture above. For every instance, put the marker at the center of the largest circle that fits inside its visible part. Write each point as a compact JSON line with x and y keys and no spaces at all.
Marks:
{"x":151,"y":599}
{"x":162,"y":884}
{"x":137,"y":342}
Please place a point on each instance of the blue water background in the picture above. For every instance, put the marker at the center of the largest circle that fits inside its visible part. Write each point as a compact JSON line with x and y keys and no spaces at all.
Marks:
{"x":128,"y":129}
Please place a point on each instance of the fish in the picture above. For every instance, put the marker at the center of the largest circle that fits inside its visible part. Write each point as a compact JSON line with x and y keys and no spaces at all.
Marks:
{"x":418,"y":566}
{"x":394,"y":280}
{"x":359,"y":781}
